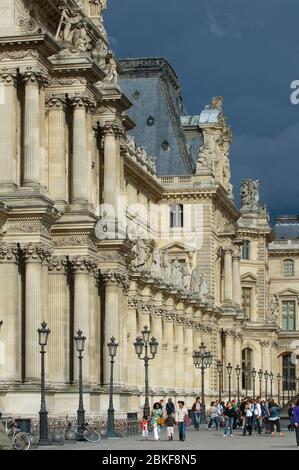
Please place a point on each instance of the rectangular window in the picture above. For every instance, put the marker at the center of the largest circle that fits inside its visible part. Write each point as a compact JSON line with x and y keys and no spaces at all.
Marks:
{"x":247,"y":302}
{"x":245,"y":249}
{"x":176,"y":215}
{"x":288,"y":315}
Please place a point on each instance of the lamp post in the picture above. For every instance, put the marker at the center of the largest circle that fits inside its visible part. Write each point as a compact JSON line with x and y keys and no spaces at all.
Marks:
{"x":112,"y":346}
{"x":266,"y":375}
{"x":246,"y":374}
{"x":229,"y":369}
{"x":253,"y":375}
{"x":219,"y":370}
{"x":278,"y":387}
{"x":260,"y":374}
{"x":202,"y":360}
{"x":288,"y":385}
{"x":283,"y":389}
{"x":80,"y":343}
{"x":271,"y":376}
{"x":293,"y":387}
{"x":145,"y":342}
{"x":43,"y":334}
{"x":238,"y":373}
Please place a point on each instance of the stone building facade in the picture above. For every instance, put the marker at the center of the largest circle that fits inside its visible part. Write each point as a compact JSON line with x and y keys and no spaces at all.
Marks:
{"x":107,"y":228}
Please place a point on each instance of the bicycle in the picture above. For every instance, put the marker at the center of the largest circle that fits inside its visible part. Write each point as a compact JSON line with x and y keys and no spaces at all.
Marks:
{"x":19,"y":440}
{"x":88,"y":434}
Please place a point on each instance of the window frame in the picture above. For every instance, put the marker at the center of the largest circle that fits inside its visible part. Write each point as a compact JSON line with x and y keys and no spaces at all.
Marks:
{"x":285,"y":267}
{"x":245,"y":251}
{"x":176,"y":216}
{"x":284,"y":302}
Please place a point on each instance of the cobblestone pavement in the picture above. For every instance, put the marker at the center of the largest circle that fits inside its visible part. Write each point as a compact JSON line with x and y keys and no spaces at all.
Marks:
{"x":202,"y":440}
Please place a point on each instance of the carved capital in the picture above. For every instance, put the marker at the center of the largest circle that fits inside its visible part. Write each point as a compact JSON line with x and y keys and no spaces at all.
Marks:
{"x":31,"y":76}
{"x":9,"y":253}
{"x":8,"y":76}
{"x":82,"y":101}
{"x":82,"y":264}
{"x":112,"y":128}
{"x":36,"y":252}
{"x":58,"y":265}
{"x":56,"y":102}
{"x":119,"y":278}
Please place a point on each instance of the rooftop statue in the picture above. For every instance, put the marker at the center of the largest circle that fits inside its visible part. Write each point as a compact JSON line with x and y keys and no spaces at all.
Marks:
{"x":250,"y":195}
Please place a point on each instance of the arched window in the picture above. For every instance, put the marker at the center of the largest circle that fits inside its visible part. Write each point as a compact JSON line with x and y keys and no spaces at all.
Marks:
{"x":288,"y":268}
{"x":245,"y":249}
{"x":288,"y":373}
{"x":176,"y":215}
{"x":246,"y":364}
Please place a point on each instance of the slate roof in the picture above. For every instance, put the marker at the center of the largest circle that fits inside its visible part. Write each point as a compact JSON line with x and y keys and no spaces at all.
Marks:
{"x":286,"y":227}
{"x":154,"y":89}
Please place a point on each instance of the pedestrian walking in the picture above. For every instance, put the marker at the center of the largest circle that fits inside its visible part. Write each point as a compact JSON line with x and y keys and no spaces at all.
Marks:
{"x":181,"y":418}
{"x":248,"y":418}
{"x":213,"y":414}
{"x":274,"y":417}
{"x":296,"y":420}
{"x":257,"y":416}
{"x":197,"y":410}
{"x":229,"y":414}
{"x":157,"y":416}
{"x":169,"y":423}
{"x":170,"y":408}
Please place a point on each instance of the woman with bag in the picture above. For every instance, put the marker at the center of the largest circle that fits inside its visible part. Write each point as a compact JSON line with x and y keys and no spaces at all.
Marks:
{"x":157,"y":417}
{"x":182,"y":418}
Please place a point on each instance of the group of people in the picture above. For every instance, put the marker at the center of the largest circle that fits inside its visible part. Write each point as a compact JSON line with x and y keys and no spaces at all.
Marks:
{"x":250,"y":415}
{"x":167,"y":415}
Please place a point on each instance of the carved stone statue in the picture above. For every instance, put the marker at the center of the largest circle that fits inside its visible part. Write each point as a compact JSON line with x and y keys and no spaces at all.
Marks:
{"x":176,"y":274}
{"x":217,"y":102}
{"x":186,"y":276}
{"x":166,"y":276}
{"x":110,"y":68}
{"x":250,"y":194}
{"x":97,"y":7}
{"x":66,"y":24}
{"x":99,"y":53}
{"x":80,"y":39}
{"x":198,"y":285}
{"x":274,"y":310}
{"x":203,"y":289}
{"x":140,"y":252}
{"x":156,"y":259}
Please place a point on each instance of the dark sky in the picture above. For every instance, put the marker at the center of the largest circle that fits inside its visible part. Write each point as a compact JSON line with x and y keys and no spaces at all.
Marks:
{"x":244,"y":50}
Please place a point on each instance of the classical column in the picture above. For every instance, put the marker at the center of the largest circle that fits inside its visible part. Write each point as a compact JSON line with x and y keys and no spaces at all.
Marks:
{"x":179,"y":354}
{"x":57,"y":149}
{"x":8,"y":176}
{"x":228,"y":275}
{"x":113,"y":281}
{"x":32,"y":157}
{"x":80,"y":167}
{"x":188,"y":360}
{"x":112,"y":164}
{"x":236,"y":280}
{"x":10,"y":369}
{"x":82,"y":267}
{"x":34,"y":255}
{"x":59,"y":321}
{"x":95,"y":326}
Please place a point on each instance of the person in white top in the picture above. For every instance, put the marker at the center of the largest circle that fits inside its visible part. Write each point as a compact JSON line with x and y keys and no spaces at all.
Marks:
{"x":248,"y":418}
{"x":257,"y":416}
{"x":181,"y":415}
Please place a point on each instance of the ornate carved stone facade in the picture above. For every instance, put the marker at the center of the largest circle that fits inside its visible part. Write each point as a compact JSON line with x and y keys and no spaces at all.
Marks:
{"x":92,"y":237}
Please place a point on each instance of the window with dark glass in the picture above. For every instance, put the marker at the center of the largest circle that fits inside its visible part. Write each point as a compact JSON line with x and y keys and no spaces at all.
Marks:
{"x":288,"y":318}
{"x":247,"y":302}
{"x":288,"y":268}
{"x":245,"y":249}
{"x":177,"y":215}
{"x":246,"y":364}
{"x":288,"y":373}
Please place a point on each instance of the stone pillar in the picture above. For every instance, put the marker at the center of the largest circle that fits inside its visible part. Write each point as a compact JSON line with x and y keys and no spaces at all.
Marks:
{"x":179,"y":383}
{"x":229,"y":356}
{"x":8,"y":174}
{"x":188,"y":360}
{"x":32,"y":157}
{"x":228,"y":275}
{"x":113,"y":291}
{"x":95,"y":327}
{"x":82,"y":267}
{"x":59,"y":322}
{"x":80,"y":167}
{"x":57,"y":149}
{"x":34,"y":255}
{"x":236,"y":280}
{"x":10,"y":370}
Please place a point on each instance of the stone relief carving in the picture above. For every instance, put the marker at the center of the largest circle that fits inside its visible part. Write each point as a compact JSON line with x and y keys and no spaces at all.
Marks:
{"x":72,"y":30}
{"x":139,"y":155}
{"x":156,"y":260}
{"x":274,"y":310}
{"x":167,"y":271}
{"x":25,"y":20}
{"x":250,"y":194}
{"x":186,"y":276}
{"x":27,"y":227}
{"x":110,"y":68}
{"x":198,"y":284}
{"x":176,"y":274}
{"x":73,"y":240}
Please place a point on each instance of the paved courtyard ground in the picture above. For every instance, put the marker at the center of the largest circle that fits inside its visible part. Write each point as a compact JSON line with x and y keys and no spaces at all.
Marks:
{"x":201,"y":440}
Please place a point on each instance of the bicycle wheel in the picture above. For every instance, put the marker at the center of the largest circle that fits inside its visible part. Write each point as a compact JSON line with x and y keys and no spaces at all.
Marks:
{"x":21,"y":441}
{"x":92,"y":436}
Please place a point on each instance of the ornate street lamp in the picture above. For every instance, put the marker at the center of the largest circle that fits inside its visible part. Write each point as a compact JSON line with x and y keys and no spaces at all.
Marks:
{"x":145,"y":342}
{"x":246,"y":374}
{"x":229,"y":369}
{"x":80,"y":344}
{"x":219,"y":370}
{"x":260,"y":374}
{"x":202,"y":360}
{"x":278,"y":387}
{"x":271,"y":376}
{"x":238,"y":373}
{"x":112,"y":346}
{"x":253,"y":375}
{"x":43,"y":335}
{"x":266,"y":375}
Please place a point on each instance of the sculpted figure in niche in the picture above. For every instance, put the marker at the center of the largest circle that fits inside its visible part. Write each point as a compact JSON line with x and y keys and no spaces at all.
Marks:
{"x":99,"y":53}
{"x":198,"y":285}
{"x":250,"y":194}
{"x":110,"y":68}
{"x":186,"y":276}
{"x":274,"y":309}
{"x":166,"y":268}
{"x":156,"y":259}
{"x":67,"y":21}
{"x":176,"y":274}
{"x":80,"y":39}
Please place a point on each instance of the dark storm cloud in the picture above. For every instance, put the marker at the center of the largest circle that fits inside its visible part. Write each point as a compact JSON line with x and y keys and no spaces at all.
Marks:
{"x":246,"y":51}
